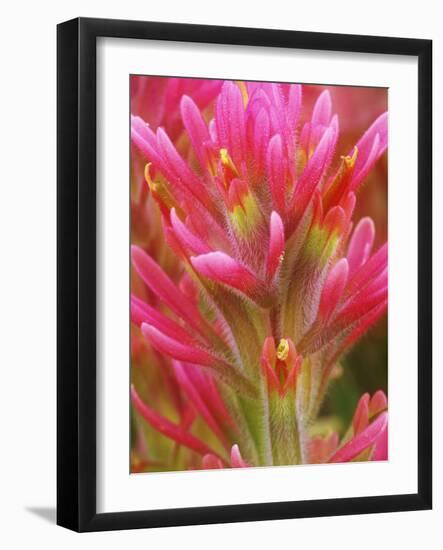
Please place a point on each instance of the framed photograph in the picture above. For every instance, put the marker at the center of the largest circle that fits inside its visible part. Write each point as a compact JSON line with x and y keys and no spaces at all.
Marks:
{"x":244,"y":274}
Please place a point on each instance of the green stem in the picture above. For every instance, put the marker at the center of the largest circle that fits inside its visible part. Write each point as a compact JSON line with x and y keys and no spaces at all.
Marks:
{"x":284,"y":430}
{"x":276,"y":319}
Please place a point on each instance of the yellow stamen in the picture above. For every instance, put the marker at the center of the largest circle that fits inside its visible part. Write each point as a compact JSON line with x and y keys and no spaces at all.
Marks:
{"x":283,"y":349}
{"x":226,"y":160}
{"x":148,"y":176}
{"x":224,"y":156}
{"x":244,"y":92}
{"x":350,"y":161}
{"x":161,"y":192}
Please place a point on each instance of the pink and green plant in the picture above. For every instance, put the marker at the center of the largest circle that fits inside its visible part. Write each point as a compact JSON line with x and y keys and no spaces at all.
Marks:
{"x":270,"y":284}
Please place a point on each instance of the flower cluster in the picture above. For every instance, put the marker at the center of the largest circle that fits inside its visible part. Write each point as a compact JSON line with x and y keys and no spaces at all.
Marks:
{"x":271,"y":281}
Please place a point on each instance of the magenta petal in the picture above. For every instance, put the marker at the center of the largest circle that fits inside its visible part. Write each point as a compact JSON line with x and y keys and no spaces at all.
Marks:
{"x":167,"y":428}
{"x":221,"y":268}
{"x":294,"y":106}
{"x":322,"y":109}
{"x":145,"y":140}
{"x":196,"y":399}
{"x":276,"y":167}
{"x":360,"y":306}
{"x":157,"y":280}
{"x":138,"y":311}
{"x":261,"y":140}
{"x":230,"y":122}
{"x":313,"y":171}
{"x":361,"y":243}
{"x":364,"y":324}
{"x":335,"y":129}
{"x":362,"y":441}
{"x":196,"y":128}
{"x":211,"y":462}
{"x":381,"y":447}
{"x":361,"y":415}
{"x":371,"y":159}
{"x":176,"y":165}
{"x":159,"y":150}
{"x":375,"y":265}
{"x":277,"y":107}
{"x":176,"y":348}
{"x":143,"y":313}
{"x":236,"y":458}
{"x":276,"y":244}
{"x":378,"y":403}
{"x":180,"y":175}
{"x":349,"y":204}
{"x":370,"y":148}
{"x":207,"y":388}
{"x":142,"y":130}
{"x":333,"y":289}
{"x":364,"y":145}
{"x":188,"y":239}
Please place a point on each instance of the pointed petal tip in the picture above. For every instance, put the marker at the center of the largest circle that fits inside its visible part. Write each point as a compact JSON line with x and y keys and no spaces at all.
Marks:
{"x":176,"y":347}
{"x":333,"y":289}
{"x":137,"y":254}
{"x":361,"y":243}
{"x":186,"y":100}
{"x":222,"y":268}
{"x":322,"y":109}
{"x":276,"y":219}
{"x":169,"y":429}
{"x":236,"y":458}
{"x":276,"y":244}
{"x":362,"y":441}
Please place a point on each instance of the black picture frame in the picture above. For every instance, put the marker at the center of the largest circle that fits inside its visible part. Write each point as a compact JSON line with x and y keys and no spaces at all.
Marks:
{"x":76,"y":273}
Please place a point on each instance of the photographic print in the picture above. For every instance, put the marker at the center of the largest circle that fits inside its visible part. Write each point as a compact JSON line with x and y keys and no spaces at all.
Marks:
{"x":259,"y":274}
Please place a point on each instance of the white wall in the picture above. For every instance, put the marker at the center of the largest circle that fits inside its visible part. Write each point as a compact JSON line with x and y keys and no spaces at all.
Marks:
{"x":27,"y":274}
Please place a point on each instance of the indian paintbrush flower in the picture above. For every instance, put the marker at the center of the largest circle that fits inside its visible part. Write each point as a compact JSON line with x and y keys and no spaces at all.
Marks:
{"x":275,"y":285}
